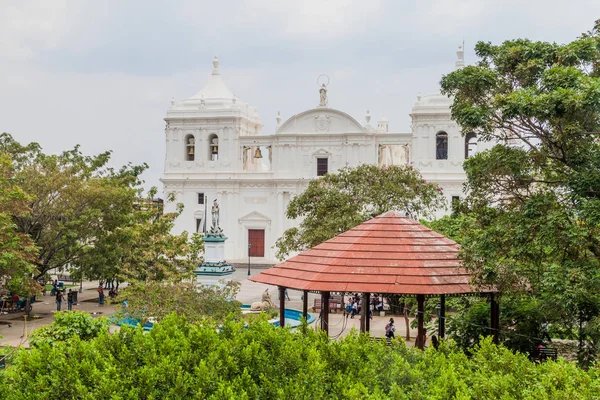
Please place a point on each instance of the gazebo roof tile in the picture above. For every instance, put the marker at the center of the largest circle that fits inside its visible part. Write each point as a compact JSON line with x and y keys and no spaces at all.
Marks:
{"x":387,"y":254}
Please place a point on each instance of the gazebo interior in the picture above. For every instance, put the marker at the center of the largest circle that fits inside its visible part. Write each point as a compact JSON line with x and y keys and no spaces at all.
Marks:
{"x":389,"y":254}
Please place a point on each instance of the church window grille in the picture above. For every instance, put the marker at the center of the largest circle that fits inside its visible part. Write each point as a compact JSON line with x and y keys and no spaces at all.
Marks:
{"x":200,"y":198}
{"x":322,"y":166}
{"x":441,"y":146}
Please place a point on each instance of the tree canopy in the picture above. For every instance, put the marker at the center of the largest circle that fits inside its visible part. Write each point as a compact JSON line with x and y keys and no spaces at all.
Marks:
{"x":188,"y":299}
{"x":18,"y":253}
{"x":340,"y":201}
{"x":83,"y":215}
{"x":532,"y":214}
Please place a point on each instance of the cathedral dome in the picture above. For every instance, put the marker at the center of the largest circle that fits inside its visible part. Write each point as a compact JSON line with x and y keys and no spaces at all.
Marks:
{"x":215,"y":88}
{"x":214,"y":97}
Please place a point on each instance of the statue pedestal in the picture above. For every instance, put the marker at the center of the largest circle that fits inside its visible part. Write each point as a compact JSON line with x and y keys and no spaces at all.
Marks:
{"x":214,"y":257}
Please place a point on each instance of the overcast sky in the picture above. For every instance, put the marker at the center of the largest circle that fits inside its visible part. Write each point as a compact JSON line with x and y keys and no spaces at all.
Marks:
{"x":102,"y":73}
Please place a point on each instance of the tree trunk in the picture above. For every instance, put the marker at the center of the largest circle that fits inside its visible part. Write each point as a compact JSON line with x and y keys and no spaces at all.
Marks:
{"x":28,"y":307}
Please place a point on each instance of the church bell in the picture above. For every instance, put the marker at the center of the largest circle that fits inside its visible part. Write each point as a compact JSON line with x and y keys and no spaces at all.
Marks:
{"x":257,"y":153}
{"x":214,"y":149}
{"x":191,"y":151}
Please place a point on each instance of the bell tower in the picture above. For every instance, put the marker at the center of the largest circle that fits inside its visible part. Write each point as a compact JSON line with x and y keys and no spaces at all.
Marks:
{"x":201,"y":132}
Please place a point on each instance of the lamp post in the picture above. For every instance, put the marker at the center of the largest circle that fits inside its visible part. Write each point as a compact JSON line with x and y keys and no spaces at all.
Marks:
{"x":249,"y":247}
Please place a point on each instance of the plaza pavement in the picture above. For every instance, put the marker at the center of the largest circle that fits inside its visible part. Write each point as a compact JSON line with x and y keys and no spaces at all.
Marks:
{"x":45,"y":307}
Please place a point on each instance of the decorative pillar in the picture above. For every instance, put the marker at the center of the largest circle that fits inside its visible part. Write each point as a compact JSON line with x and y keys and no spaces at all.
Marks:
{"x":281,"y":306}
{"x":305,"y":305}
{"x":364,"y":313}
{"x":420,"y":328}
{"x":325,"y":311}
{"x":494,"y":318}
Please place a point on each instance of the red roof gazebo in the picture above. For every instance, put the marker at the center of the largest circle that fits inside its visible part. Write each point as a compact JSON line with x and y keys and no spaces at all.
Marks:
{"x":389,"y":254}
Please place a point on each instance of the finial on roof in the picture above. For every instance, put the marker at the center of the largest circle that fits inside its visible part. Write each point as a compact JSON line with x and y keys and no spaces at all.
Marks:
{"x":460,"y":54}
{"x":278,"y":119}
{"x":368,"y":117}
{"x":216,"y":66}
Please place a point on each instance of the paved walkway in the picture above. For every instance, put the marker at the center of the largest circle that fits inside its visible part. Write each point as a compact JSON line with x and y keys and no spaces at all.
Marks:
{"x":43,"y":314}
{"x":45,"y":307}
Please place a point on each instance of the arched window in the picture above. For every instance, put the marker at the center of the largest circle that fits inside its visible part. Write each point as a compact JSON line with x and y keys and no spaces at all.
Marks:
{"x":190,"y":148}
{"x":470,"y":145}
{"x":441,"y":146}
{"x":213,"y":147}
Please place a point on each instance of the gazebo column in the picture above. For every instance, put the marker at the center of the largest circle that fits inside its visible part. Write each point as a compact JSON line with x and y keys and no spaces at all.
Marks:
{"x":325,"y":311}
{"x":305,"y":305}
{"x":282,"y":306}
{"x":442,"y":318}
{"x":494,"y":318}
{"x":364,"y":313}
{"x":420,"y":328}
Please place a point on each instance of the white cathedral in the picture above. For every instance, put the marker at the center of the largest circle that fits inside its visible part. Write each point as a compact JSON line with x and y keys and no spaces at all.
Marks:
{"x":215,"y":150}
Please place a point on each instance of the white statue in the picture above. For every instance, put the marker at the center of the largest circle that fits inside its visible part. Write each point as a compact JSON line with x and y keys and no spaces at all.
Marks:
{"x":215,"y":229}
{"x":323,"y":95}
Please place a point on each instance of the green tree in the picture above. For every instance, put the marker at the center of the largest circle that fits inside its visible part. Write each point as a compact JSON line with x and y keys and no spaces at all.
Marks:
{"x":337,"y":202}
{"x":534,"y":199}
{"x":194,"y":302}
{"x":93,"y":219}
{"x":73,"y":200}
{"x":18,"y":253}
{"x":143,"y":248}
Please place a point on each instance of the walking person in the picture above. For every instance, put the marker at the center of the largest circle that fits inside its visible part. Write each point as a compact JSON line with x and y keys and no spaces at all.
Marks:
{"x":59,"y":299}
{"x":70,"y":300}
{"x":354,"y":309}
{"x":100,"y":296}
{"x":348,"y":307}
{"x":390,"y":328}
{"x":545,"y":334}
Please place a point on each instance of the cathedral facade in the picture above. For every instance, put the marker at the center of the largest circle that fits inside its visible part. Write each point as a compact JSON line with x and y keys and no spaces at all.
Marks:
{"x":215,"y":150}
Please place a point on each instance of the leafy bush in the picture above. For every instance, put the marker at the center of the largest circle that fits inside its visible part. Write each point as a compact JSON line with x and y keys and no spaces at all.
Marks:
{"x":195,"y":302}
{"x":179,"y":360}
{"x":67,"y":325}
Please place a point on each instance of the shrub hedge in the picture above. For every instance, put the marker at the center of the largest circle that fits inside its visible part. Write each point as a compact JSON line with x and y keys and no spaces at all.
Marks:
{"x":178,"y":360}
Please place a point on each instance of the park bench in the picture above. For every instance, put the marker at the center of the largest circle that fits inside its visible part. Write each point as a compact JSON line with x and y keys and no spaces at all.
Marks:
{"x":335,"y":303}
{"x":543,"y":354}
{"x":65,"y":278}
